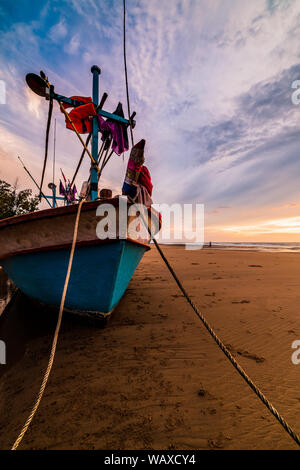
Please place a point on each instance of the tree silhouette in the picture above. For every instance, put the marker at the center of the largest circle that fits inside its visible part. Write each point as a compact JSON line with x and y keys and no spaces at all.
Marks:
{"x":13,"y":202}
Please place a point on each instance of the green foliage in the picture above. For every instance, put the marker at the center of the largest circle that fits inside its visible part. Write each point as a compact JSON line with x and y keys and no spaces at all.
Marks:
{"x":13,"y":202}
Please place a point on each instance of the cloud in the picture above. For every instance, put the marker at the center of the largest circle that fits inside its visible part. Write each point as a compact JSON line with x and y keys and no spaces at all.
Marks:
{"x":33,"y":103}
{"x":74,"y":44}
{"x":254,"y":147}
{"x":58,"y":31}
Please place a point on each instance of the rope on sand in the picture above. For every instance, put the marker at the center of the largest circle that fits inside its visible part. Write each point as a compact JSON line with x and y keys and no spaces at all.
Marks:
{"x":235,"y":364}
{"x":55,"y":338}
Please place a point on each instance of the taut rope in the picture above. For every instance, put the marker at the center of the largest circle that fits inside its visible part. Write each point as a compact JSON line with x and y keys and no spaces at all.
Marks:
{"x":55,"y":337}
{"x":240,"y":370}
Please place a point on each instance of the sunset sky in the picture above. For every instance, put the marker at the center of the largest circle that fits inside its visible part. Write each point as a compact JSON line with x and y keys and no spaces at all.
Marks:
{"x":211,"y":83}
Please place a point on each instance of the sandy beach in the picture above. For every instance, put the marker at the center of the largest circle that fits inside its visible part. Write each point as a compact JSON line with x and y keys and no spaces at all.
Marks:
{"x":153,"y":378}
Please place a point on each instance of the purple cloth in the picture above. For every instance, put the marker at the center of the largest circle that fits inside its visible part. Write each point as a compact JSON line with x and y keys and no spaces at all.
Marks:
{"x":117,"y":131}
{"x":62,"y":190}
{"x":68,"y":193}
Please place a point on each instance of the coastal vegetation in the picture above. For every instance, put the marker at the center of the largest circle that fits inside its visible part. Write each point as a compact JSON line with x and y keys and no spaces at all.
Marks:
{"x":14,"y":202}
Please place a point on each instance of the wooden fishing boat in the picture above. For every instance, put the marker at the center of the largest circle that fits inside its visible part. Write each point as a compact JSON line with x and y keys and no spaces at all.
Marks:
{"x":35,"y":247}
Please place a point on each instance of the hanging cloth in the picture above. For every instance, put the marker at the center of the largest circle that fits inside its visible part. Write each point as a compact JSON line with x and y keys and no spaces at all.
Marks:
{"x":144,"y":188}
{"x":81,"y":116}
{"x":134,"y":168}
{"x":117,"y":131}
{"x":142,"y":196}
{"x":145,"y":180}
{"x":68,"y":192}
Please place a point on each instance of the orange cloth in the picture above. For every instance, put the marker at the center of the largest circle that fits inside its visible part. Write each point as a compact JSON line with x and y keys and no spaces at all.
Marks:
{"x":81,"y":116}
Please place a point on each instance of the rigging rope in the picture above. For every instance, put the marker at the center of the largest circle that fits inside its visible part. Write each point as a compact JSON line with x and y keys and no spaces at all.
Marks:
{"x":46,"y":143}
{"x":78,"y":135}
{"x":55,"y":337}
{"x":103,"y":99}
{"x":240,"y":370}
{"x":125,"y":70}
{"x":54,"y":149}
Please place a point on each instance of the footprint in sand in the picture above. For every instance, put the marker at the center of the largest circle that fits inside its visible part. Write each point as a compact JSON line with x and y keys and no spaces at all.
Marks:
{"x":215,"y":444}
{"x":202,"y":393}
{"x":246,"y":354}
{"x":278,"y":310}
{"x":251,"y":356}
{"x":240,"y":302}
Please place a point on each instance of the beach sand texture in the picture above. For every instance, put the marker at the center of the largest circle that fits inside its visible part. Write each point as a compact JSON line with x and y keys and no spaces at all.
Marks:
{"x":154,"y":378}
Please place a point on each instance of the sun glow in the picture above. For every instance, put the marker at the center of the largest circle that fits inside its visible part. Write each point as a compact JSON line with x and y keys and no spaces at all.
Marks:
{"x":286,"y":225}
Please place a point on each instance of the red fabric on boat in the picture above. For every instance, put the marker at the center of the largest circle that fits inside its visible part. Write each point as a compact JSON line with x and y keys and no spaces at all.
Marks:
{"x":83,"y":99}
{"x":145,"y":179}
{"x":81,"y":116}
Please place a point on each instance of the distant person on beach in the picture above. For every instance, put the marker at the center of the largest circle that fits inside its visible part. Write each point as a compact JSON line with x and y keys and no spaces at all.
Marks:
{"x":209,"y":244}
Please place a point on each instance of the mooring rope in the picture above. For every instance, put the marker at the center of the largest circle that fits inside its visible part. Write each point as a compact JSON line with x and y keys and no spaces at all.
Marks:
{"x":125,"y":70}
{"x":240,"y":370}
{"x":46,"y":143}
{"x":55,"y":337}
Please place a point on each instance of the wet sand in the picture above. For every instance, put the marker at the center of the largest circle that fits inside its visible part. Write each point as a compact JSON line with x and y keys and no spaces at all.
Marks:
{"x":154,"y":378}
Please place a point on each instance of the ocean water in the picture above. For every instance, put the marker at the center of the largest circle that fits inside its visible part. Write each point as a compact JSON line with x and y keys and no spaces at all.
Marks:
{"x":283,"y":247}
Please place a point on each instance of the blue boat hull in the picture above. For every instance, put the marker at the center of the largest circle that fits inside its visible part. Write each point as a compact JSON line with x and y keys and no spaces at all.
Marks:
{"x":99,"y":277}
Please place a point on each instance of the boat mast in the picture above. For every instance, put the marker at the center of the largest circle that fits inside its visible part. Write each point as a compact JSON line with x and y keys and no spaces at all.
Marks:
{"x":54,"y":149}
{"x":52,"y":185}
{"x":40,"y":85}
{"x":94,"y":173}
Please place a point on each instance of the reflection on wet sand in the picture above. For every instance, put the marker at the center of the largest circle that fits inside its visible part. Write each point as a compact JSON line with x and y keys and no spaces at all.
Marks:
{"x":22,"y":320}
{"x":7,"y":288}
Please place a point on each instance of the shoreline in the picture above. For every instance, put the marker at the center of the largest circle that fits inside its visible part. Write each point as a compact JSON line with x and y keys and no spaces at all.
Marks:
{"x":259,"y":247}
